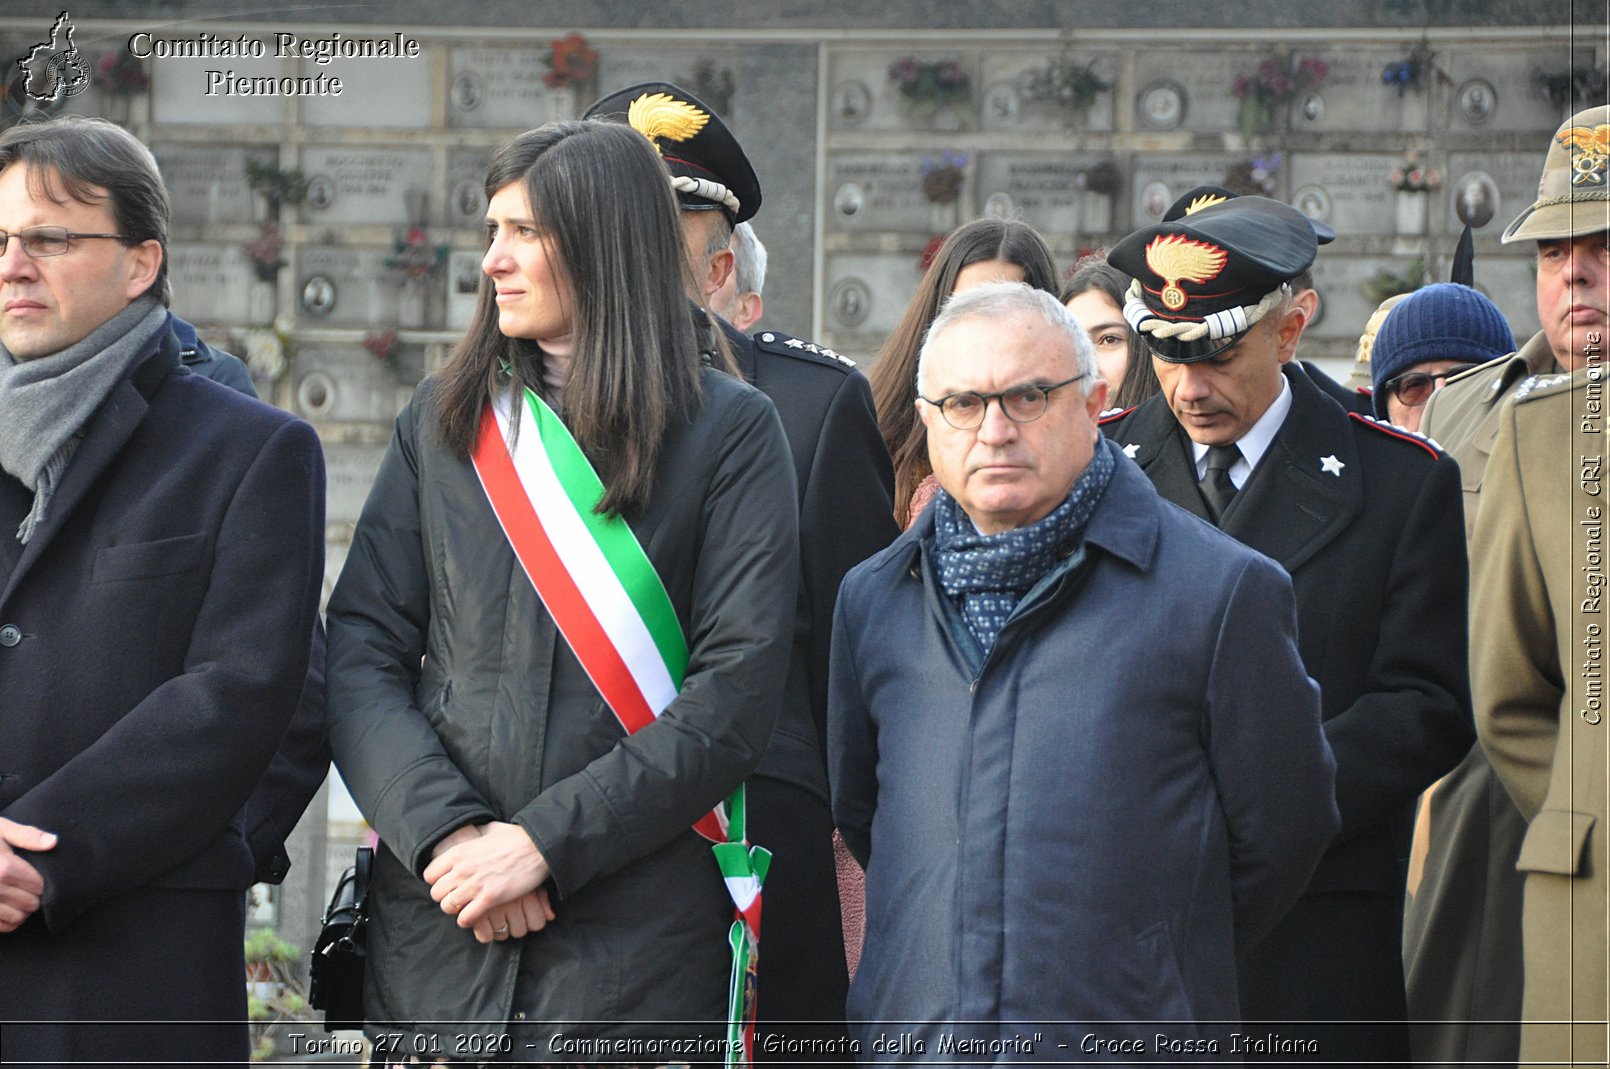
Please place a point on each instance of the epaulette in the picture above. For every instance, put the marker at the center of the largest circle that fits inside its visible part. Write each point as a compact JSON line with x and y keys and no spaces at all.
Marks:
{"x":786,"y":345}
{"x":1392,"y":430}
{"x":1539,"y":386}
{"x":1113,"y":414}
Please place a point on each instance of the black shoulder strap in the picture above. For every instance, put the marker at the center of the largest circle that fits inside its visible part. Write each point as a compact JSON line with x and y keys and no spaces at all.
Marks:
{"x":360,"y":882}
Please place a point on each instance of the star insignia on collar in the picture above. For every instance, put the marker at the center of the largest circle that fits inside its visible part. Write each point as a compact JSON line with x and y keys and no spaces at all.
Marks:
{"x":1131,"y":449}
{"x":1331,"y":465}
{"x":795,"y":343}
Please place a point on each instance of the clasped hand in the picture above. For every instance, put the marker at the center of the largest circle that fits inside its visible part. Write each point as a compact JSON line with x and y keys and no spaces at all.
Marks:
{"x":490,"y":877}
{"x":20,"y":883}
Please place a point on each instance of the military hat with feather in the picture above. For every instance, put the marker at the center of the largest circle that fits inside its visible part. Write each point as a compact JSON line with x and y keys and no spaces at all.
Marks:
{"x":1205,"y":279}
{"x":709,"y":170}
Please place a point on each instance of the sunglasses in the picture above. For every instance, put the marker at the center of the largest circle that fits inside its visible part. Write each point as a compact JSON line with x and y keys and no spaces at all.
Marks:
{"x":1415,"y":388}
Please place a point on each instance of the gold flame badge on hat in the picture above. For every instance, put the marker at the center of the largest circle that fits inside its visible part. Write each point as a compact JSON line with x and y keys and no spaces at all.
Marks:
{"x":1206,"y":200}
{"x":657,"y":115}
{"x":1592,"y":145}
{"x":1175,"y":257}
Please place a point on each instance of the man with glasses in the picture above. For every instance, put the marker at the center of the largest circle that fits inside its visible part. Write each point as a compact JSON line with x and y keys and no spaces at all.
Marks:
{"x":161,"y":555}
{"x":1365,"y":519}
{"x":1057,"y":827}
{"x":1463,"y":929}
{"x":1433,"y":334}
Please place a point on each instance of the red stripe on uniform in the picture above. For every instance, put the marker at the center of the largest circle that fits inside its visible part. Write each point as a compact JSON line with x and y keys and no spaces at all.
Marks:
{"x":1393,"y":432}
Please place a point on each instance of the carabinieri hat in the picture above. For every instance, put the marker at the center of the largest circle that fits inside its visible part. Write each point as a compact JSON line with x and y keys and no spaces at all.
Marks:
{"x":708,"y":167}
{"x":1194,"y":200}
{"x":1204,"y":280}
{"x":1573,"y":199}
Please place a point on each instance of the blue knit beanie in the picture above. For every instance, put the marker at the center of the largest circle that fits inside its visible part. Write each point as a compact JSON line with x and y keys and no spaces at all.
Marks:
{"x":1444,"y":321}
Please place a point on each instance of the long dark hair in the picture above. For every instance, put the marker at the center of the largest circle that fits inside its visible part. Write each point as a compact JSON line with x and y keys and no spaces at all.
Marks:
{"x":1093,"y":272}
{"x":602,"y":194}
{"x":894,"y":375}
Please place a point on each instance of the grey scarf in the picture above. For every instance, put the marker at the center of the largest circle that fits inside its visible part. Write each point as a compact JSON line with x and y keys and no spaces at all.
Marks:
{"x":46,"y":402}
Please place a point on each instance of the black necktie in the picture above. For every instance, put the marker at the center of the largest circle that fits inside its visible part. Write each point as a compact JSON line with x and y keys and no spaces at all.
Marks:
{"x":1216,"y":485}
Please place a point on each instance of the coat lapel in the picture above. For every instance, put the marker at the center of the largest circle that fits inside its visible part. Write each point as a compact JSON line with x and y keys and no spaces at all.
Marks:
{"x":1309,"y":486}
{"x":104,"y":437}
{"x":1153,"y":437}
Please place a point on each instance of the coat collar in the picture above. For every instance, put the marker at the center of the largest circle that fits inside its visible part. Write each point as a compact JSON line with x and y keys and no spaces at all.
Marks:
{"x":1303,"y":493}
{"x":103,"y":439}
{"x":1536,"y":357}
{"x":1124,"y":523}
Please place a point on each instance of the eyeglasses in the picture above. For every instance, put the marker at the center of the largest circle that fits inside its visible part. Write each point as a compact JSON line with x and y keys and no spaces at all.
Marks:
{"x":1415,"y":388}
{"x":1022,"y":404}
{"x":42,"y":241}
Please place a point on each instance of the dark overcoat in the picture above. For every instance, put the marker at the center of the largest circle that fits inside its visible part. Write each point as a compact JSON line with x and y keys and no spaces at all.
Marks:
{"x":153,"y":643}
{"x":1366,"y":519}
{"x":1093,"y":824}
{"x":454,"y":700}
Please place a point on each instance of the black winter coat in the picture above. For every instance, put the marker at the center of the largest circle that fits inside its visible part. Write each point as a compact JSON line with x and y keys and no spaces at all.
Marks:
{"x":453,"y":700}
{"x":1366,"y":519}
{"x":153,"y":642}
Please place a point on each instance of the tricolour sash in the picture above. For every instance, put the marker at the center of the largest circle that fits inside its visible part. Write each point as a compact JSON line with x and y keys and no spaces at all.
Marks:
{"x":610,"y":605}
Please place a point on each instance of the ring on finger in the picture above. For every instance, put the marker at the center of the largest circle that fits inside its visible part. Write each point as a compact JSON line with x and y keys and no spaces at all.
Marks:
{"x":501,"y":931}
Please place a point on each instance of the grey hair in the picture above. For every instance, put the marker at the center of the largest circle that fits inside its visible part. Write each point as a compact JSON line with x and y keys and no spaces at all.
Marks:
{"x":718,"y":236}
{"x":749,"y":260}
{"x":999,"y":300}
{"x":77,"y":157}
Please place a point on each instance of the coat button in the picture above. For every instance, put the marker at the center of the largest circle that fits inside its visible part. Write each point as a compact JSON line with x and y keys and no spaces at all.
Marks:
{"x":10,"y":635}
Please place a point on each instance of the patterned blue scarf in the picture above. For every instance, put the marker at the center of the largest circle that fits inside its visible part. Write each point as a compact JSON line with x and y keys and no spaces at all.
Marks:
{"x":987,"y":575}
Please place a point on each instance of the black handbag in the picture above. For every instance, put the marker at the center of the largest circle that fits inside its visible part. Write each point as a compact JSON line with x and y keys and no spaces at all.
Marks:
{"x":335,"y":976}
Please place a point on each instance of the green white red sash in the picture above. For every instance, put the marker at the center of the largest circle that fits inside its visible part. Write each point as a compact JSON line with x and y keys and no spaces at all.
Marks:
{"x":610,"y":605}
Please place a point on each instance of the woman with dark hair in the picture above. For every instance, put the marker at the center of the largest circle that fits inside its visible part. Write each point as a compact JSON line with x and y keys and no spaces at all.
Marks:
{"x":984,"y":250}
{"x":1095,"y":294}
{"x":560,"y":636}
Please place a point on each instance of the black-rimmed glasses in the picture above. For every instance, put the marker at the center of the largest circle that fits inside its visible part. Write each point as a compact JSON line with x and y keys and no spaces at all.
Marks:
{"x":1022,"y":404}
{"x":42,"y":241}
{"x":1416,"y":387}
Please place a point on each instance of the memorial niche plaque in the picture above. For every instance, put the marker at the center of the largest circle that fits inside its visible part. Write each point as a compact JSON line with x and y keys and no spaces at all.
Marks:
{"x":1159,"y":180}
{"x":211,"y":283}
{"x":465,"y":203}
{"x":1354,"y":187}
{"x":868,"y":292}
{"x":365,"y":388}
{"x":862,"y":96}
{"x":179,"y":91}
{"x":709,"y":74}
{"x":1032,"y":91}
{"x":1205,"y":77}
{"x":208,"y":185}
{"x":1340,"y":281}
{"x":1353,"y":97}
{"x":363,"y":185}
{"x":498,"y":87}
{"x":349,"y":472}
{"x":1510,"y":179}
{"x":1497,"y":83}
{"x":884,"y":192}
{"x":1046,"y":191}
{"x":388,"y":91}
{"x":354,"y":283}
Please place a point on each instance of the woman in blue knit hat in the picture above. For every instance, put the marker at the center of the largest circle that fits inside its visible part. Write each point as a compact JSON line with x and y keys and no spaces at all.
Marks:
{"x":1435,"y":332}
